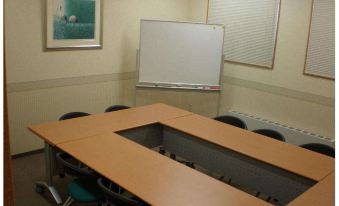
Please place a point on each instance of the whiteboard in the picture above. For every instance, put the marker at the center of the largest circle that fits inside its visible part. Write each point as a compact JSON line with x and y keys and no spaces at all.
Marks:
{"x":180,"y":55}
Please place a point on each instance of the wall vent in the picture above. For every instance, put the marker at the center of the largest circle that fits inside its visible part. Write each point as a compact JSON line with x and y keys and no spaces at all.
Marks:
{"x":292,"y":135}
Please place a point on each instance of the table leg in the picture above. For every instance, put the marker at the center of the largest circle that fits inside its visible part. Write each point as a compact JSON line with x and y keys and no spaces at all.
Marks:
{"x":40,"y":186}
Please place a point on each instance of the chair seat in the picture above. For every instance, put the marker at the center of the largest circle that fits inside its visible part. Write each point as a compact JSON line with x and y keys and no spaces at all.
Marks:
{"x":84,"y":189}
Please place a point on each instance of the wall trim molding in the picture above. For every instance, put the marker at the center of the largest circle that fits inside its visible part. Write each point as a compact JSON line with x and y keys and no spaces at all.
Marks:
{"x":70,"y":81}
{"x":92,"y":79}
{"x":305,"y":96}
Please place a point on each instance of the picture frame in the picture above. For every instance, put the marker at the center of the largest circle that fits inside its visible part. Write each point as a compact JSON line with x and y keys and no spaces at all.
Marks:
{"x":73,"y":24}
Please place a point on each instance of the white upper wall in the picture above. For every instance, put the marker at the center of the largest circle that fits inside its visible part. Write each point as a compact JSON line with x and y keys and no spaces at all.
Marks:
{"x":26,"y":59}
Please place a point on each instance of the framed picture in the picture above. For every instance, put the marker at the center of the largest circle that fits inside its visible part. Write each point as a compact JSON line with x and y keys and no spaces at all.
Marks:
{"x":73,"y":24}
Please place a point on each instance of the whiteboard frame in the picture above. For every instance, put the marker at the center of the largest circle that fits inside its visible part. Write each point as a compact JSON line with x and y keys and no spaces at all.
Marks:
{"x":184,"y":86}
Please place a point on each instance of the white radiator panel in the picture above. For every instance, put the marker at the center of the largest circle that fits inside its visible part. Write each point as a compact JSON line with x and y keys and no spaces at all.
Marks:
{"x":292,"y":135}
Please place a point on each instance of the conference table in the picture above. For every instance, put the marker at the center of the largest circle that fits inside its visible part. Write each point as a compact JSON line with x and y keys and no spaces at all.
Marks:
{"x":120,"y":146}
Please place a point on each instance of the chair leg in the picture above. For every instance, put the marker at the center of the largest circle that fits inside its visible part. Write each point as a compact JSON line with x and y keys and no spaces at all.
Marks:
{"x":68,"y":201}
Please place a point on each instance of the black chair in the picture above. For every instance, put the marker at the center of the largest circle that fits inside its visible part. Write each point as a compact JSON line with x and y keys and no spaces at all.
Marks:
{"x":320,"y":148}
{"x":83,"y":188}
{"x":270,"y":133}
{"x":116,"y":108}
{"x":72,"y":115}
{"x":235,"y":121}
{"x":114,"y":195}
{"x":74,"y":167}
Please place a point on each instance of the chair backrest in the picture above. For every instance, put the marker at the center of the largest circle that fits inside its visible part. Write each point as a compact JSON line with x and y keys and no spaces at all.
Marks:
{"x":116,"y":108}
{"x":320,"y":148}
{"x":72,"y":115}
{"x":74,"y":167}
{"x":270,"y":133}
{"x":113,"y":196}
{"x":235,"y":121}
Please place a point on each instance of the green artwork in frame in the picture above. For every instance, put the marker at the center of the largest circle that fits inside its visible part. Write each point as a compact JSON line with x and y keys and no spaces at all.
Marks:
{"x":73,"y":24}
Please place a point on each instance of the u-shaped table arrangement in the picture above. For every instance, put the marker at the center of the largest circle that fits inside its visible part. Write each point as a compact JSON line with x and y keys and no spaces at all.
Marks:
{"x":120,"y":146}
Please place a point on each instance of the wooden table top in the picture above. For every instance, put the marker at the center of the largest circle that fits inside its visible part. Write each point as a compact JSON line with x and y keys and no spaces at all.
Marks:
{"x":283,"y":155}
{"x":161,"y":181}
{"x":77,"y":128}
{"x":318,"y":195}
{"x":156,"y":179}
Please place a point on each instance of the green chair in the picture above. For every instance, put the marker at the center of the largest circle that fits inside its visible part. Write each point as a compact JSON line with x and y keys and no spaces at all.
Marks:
{"x":83,"y":188}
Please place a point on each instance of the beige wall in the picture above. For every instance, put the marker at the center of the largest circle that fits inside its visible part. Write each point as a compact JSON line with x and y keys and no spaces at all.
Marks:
{"x":44,"y":85}
{"x":45,"y":105}
{"x":198,"y":10}
{"x":26,"y":60}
